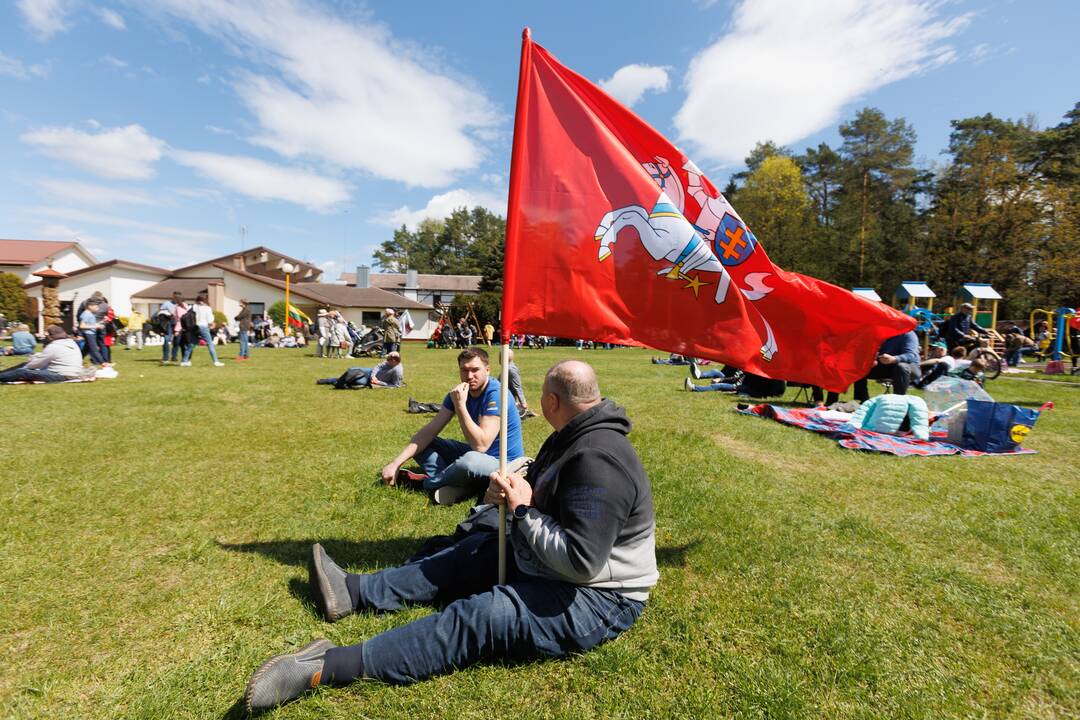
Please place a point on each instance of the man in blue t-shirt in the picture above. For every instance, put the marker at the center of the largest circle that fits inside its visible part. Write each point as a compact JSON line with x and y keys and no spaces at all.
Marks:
{"x":455,"y":470}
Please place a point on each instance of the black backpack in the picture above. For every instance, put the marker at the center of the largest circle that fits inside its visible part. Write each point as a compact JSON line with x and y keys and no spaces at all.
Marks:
{"x":187,"y":320}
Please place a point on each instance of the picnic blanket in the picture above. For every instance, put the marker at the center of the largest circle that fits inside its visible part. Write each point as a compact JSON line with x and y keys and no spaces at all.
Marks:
{"x":858,"y":439}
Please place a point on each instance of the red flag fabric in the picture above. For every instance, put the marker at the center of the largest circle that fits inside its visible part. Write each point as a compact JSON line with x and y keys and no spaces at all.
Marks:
{"x":614,"y":235}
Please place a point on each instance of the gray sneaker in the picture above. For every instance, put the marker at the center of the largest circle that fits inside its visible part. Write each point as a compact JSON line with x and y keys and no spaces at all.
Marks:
{"x":327,"y":582}
{"x":284,"y":677}
{"x":695,"y":370}
{"x":451,"y":494}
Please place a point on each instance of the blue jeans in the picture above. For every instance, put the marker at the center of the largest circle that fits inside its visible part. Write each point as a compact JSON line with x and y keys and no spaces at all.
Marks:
{"x":19,"y":373}
{"x":527,"y":618}
{"x":90,"y":338}
{"x":710,"y":374}
{"x":204,"y":333}
{"x":245,"y":350}
{"x":714,"y":387}
{"x":452,"y":462}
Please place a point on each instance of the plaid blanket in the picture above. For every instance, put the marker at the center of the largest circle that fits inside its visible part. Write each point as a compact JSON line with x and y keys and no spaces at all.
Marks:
{"x":857,"y":439}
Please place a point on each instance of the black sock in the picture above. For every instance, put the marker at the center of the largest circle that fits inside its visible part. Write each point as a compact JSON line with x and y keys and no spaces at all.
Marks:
{"x":342,"y":665}
{"x":353,"y":583}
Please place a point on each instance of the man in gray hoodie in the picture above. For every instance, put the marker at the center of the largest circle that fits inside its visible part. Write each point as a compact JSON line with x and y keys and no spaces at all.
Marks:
{"x":60,"y":360}
{"x":584,"y":560}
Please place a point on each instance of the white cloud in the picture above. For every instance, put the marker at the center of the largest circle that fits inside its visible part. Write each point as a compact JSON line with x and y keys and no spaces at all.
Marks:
{"x":786,"y":70}
{"x":115,"y":62}
{"x":203,"y":79}
{"x":93,"y":195}
{"x":130,"y":239}
{"x":45,"y":17}
{"x":630,"y":82}
{"x":112,"y":18}
{"x":123,"y":153}
{"x":346,"y":92}
{"x":492,"y":178}
{"x":265,"y":181}
{"x":13,"y":67}
{"x":442,"y":205}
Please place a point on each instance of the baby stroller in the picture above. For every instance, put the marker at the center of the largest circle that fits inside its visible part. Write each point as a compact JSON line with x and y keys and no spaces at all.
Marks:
{"x":369,"y":345}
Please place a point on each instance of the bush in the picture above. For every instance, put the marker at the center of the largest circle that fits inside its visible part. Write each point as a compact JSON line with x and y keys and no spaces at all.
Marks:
{"x":277,"y":313}
{"x":12,"y":298}
{"x":220,"y":319}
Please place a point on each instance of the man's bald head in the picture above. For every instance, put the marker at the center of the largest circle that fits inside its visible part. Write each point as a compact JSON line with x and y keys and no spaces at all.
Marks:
{"x":574,"y":382}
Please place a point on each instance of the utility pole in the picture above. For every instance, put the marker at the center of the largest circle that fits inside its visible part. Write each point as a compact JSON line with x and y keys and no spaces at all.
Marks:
{"x":243,"y":237}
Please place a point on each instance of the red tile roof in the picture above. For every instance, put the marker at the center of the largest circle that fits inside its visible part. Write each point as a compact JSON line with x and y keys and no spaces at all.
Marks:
{"x":28,"y":252}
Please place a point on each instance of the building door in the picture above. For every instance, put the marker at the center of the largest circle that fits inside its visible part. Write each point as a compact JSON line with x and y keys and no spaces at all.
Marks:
{"x":67,"y":316}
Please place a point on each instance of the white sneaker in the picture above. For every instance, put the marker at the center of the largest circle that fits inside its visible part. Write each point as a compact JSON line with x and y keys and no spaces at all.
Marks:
{"x":687,"y":385}
{"x":695,"y":371}
{"x":185,"y":364}
{"x":219,"y":364}
{"x":450,"y":494}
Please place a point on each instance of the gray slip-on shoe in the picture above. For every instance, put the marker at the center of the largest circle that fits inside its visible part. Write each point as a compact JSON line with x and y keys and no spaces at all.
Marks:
{"x":285,"y":677}
{"x":327,"y":582}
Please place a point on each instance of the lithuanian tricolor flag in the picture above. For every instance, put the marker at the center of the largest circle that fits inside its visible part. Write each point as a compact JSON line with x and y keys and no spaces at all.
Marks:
{"x":296,"y":317}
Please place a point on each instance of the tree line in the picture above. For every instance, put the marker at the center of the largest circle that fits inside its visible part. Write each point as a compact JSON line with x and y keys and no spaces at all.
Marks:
{"x":1003,"y":208}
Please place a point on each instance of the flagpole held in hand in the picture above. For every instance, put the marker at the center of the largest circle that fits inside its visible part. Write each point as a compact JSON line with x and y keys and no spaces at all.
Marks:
{"x":504,"y":379}
{"x":513,"y":230}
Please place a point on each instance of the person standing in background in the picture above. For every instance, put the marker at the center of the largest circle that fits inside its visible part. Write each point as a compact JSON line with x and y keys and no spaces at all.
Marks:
{"x":243,"y":319}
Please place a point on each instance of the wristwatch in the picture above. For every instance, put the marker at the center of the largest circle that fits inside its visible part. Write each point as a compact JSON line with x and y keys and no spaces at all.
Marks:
{"x":520,"y":512}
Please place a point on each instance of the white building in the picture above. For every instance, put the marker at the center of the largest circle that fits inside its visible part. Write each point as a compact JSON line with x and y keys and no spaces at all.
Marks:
{"x":421,"y":287}
{"x":256,"y":275}
{"x":26,"y":257}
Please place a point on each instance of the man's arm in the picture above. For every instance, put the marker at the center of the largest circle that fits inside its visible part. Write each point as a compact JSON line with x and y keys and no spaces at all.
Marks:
{"x":420,"y":440}
{"x":479,"y":436}
{"x":41,"y":360}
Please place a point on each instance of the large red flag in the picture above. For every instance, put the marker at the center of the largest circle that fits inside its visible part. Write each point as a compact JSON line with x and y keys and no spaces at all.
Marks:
{"x":614,"y":235}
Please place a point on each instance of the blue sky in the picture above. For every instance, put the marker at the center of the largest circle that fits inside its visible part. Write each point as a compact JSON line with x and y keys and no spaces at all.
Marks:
{"x":155,"y":130}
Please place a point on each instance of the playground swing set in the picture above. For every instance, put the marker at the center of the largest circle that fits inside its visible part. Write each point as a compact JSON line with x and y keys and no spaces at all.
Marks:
{"x":1062,"y":324}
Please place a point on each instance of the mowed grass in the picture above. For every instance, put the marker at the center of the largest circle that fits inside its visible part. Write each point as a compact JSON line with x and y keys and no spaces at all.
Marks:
{"x":154,"y":531}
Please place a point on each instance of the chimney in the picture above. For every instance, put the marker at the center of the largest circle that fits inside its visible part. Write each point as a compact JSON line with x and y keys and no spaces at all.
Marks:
{"x":410,"y":279}
{"x":363,"y":276}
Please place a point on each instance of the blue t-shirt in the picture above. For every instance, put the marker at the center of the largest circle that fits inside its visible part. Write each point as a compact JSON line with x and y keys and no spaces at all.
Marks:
{"x":23,"y":343}
{"x":487,"y":403}
{"x":88,"y":318}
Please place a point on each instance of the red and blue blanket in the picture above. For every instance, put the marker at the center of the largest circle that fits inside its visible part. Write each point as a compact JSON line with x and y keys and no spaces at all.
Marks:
{"x":858,"y":439}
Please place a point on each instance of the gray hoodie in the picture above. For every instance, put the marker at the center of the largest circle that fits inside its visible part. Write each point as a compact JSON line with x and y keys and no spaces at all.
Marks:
{"x":592,"y":519}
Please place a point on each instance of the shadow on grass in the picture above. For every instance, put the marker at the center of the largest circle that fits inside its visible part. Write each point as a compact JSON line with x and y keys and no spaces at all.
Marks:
{"x":675,"y":556}
{"x":347,"y":553}
{"x":236,"y":712}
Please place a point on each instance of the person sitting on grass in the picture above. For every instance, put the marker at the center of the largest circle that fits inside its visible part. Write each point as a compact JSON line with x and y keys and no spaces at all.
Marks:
{"x":22,"y":341}
{"x":61,"y":360}
{"x":387,"y":374}
{"x":582,"y":562}
{"x":455,"y":470}
{"x":1017,"y":344}
{"x":973,"y":370}
{"x":938,"y":364}
{"x":897,"y":362}
{"x":984,"y":350}
{"x":734,"y":381}
{"x":672,"y":359}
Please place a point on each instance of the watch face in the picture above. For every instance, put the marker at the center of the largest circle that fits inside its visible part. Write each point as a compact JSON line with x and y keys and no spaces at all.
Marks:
{"x":521,"y":511}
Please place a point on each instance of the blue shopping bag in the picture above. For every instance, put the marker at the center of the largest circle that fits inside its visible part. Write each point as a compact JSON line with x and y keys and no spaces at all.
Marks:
{"x":995,"y":427}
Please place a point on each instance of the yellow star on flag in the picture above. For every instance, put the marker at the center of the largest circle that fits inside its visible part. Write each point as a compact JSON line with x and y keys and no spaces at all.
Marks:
{"x":694,"y":283}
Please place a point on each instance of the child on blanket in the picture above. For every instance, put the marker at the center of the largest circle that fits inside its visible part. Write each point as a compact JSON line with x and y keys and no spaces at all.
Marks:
{"x":893,"y":414}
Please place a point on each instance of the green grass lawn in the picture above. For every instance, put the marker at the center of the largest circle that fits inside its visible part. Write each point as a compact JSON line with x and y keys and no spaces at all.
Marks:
{"x":155,"y":530}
